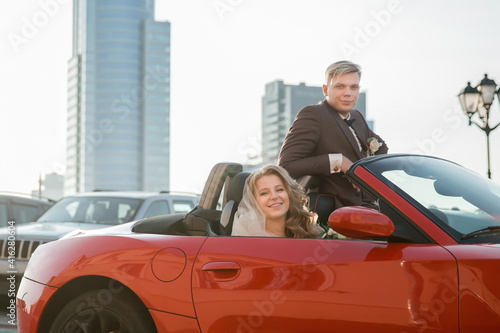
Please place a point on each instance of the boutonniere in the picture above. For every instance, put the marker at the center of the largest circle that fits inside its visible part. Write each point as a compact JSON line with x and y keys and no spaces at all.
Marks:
{"x":373,"y":146}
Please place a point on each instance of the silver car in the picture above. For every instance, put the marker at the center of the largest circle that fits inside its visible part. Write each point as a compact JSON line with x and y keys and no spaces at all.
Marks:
{"x":92,"y":210}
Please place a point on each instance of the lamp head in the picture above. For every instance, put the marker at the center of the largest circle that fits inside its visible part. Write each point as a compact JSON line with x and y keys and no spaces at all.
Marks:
{"x":469,"y":99}
{"x":487,"y":89}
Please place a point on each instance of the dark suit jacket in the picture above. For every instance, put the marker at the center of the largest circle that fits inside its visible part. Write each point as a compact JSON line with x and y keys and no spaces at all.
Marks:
{"x":318,"y":130}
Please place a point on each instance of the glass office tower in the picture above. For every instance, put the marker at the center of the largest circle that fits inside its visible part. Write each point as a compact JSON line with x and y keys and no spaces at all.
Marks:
{"x":280,"y":104}
{"x":118,"y":98}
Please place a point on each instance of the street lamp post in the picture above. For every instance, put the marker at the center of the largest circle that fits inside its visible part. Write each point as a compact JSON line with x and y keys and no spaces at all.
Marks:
{"x":479,"y":100}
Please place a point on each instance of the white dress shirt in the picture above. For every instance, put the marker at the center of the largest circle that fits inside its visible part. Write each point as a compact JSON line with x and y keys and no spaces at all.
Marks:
{"x":336,"y":159}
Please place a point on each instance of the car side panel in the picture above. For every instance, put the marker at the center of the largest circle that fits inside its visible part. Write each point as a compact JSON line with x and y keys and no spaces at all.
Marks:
{"x":170,"y":323}
{"x":252,"y":284}
{"x":128,"y":260}
{"x":479,"y":269}
{"x":31,"y":299}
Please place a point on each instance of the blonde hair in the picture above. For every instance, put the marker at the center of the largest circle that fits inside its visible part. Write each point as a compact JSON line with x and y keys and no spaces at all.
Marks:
{"x":340,"y":68}
{"x":300,"y":222}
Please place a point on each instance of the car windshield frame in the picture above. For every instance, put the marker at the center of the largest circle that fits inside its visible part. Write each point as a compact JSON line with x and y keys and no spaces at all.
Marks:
{"x":457,"y":199}
{"x":84,"y":209}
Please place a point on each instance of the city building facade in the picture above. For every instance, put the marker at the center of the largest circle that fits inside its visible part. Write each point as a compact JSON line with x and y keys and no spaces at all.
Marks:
{"x":118,"y":120}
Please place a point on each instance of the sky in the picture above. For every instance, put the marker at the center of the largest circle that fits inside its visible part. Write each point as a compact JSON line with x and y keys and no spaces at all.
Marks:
{"x":416,"y":56}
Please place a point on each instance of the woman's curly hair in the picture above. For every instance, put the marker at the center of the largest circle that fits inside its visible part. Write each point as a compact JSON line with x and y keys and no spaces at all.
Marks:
{"x":300,"y":222}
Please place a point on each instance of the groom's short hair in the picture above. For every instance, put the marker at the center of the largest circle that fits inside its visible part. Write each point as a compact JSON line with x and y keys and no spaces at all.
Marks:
{"x":340,"y":68}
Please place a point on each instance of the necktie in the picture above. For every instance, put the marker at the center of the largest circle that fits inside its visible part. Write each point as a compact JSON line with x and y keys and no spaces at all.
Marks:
{"x":349,"y":121}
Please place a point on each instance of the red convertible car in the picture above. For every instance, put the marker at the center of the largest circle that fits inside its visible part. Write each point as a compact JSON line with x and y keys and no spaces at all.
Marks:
{"x":426,"y":260}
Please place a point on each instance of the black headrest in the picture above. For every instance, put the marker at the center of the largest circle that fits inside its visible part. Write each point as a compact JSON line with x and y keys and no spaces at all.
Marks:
{"x":235,"y":190}
{"x":198,"y":221}
{"x":163,"y":224}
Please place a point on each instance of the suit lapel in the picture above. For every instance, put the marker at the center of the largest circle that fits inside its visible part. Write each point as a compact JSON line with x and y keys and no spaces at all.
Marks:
{"x":358,"y":128}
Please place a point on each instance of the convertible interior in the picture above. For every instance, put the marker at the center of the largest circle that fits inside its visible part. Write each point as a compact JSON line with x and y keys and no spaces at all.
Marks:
{"x":224,"y":188}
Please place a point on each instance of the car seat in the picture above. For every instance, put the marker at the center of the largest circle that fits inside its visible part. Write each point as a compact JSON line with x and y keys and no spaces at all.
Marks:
{"x":322,"y":204}
{"x":101,"y":213}
{"x":233,"y":198}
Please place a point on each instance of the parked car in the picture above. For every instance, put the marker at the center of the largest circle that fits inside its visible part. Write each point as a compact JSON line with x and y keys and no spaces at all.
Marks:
{"x":20,"y":208}
{"x":409,"y":266}
{"x":91,"y":210}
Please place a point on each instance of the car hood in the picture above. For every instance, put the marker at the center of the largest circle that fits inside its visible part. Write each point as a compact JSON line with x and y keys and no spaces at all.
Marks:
{"x":47,"y":231}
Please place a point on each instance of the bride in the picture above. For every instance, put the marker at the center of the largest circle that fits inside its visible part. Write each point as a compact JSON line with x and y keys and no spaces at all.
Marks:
{"x":274,"y":205}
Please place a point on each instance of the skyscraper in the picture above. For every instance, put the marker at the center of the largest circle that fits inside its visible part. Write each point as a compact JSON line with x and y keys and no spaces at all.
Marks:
{"x":280,"y":105}
{"x":118,"y":123}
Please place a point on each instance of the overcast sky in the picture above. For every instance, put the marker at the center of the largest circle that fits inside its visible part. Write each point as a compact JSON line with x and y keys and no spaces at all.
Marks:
{"x":416,"y":56}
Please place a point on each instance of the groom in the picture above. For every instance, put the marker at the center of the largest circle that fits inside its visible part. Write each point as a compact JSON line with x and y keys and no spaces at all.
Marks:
{"x":325,"y":139}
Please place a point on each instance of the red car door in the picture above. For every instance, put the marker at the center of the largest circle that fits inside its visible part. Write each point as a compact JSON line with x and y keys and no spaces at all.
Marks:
{"x":247,"y":284}
{"x":478,"y":269}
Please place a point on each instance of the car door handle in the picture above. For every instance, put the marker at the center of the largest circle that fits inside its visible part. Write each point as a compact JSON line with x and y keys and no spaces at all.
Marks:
{"x":221,"y":266}
{"x":218,"y":271}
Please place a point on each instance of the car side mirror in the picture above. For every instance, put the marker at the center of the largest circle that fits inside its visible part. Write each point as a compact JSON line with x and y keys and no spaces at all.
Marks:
{"x":360,"y":223}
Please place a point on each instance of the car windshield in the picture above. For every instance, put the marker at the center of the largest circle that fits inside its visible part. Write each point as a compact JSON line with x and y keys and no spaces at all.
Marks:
{"x":103,"y":210}
{"x":458,"y":197}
